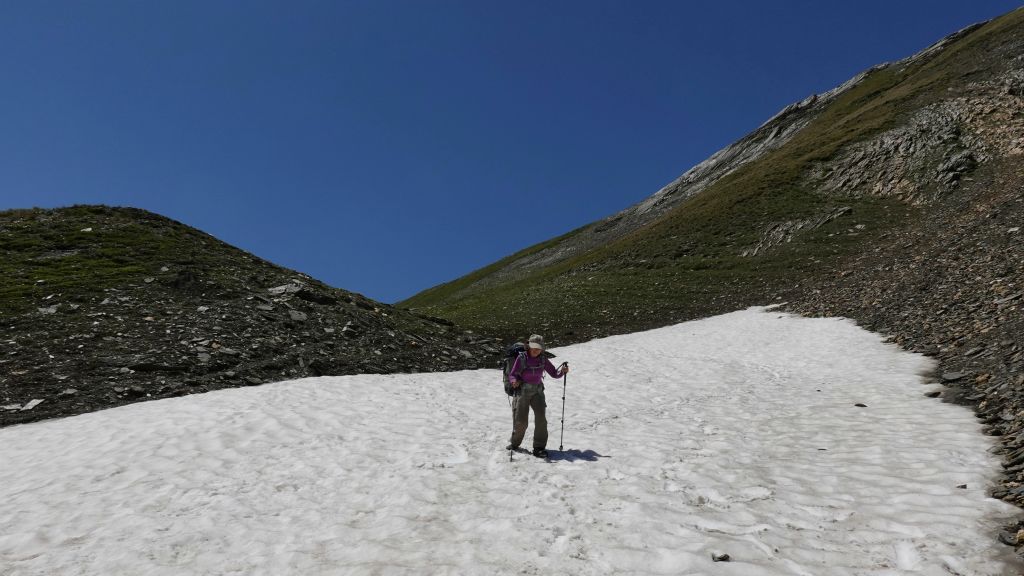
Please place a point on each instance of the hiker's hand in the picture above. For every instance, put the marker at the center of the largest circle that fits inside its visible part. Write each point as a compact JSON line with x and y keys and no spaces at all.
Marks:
{"x":515,"y":384}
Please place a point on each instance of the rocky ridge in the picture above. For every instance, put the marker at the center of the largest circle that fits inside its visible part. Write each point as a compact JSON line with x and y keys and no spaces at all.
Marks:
{"x":186,"y":317}
{"x":775,"y":132}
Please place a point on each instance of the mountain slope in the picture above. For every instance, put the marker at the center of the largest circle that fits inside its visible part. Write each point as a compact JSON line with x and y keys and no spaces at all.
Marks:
{"x":780,"y":205}
{"x":900,"y":204}
{"x":103,"y":306}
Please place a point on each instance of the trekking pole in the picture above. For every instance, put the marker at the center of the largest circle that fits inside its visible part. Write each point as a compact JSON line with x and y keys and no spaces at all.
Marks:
{"x":562,"y":433}
{"x":512,"y":402}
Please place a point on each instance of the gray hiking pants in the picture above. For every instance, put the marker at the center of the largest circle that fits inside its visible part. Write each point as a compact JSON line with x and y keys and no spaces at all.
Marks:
{"x":530,"y":396}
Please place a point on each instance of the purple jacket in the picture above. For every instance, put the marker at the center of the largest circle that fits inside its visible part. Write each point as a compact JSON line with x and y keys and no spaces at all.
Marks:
{"x":533,"y":370}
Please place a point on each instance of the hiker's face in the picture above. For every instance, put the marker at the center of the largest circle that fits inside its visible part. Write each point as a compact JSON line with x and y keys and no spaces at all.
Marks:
{"x":534,"y":352}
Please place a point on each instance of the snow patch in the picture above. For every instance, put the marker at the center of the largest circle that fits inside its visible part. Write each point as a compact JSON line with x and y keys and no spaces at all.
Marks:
{"x":736,"y":435}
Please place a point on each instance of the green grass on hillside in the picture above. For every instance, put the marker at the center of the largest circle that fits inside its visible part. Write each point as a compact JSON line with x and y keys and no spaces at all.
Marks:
{"x":689,"y":261}
{"x":83,"y":250}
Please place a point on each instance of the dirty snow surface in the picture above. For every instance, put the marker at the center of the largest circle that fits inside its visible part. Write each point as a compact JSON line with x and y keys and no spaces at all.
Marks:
{"x":735,"y":435}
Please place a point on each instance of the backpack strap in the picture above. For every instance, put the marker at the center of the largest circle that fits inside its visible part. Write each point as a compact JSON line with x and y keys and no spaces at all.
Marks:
{"x":522,"y":364}
{"x":525,"y":364}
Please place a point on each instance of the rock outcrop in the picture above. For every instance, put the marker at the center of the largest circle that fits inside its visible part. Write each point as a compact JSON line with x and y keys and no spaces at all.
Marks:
{"x":106,"y":306}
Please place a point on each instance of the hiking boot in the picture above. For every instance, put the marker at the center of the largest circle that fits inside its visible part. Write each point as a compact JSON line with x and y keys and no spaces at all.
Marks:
{"x":540,"y":453}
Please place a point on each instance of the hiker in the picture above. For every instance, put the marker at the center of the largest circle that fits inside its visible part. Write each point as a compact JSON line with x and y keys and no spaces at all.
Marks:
{"x":527,"y":379}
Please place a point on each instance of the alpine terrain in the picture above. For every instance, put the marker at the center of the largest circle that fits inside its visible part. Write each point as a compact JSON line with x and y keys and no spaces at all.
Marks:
{"x":896,"y":199}
{"x":104,"y":306}
{"x":758,"y":351}
{"x":754,"y":443}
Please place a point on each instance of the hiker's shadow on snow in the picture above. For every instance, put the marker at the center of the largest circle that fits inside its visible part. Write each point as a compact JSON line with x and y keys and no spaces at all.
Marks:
{"x":575,"y":455}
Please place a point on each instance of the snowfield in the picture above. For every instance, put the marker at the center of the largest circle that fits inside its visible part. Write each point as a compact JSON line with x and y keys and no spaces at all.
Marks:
{"x":734,"y":435}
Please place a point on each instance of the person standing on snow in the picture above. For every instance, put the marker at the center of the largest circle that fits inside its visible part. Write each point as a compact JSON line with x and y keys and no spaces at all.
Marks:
{"x":527,"y":378}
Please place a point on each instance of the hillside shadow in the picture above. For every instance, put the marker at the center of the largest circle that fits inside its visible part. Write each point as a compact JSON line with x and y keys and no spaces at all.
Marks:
{"x":575,"y":455}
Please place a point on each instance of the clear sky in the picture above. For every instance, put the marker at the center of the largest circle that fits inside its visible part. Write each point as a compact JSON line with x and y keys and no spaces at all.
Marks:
{"x":387,"y":146}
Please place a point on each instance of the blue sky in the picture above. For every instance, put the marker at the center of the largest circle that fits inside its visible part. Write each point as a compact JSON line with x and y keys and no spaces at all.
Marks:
{"x":388,"y":146}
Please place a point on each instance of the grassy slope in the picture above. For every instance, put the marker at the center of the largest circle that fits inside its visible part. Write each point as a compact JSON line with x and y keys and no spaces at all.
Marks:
{"x":45,"y":252}
{"x":45,"y":255}
{"x":688,"y":263}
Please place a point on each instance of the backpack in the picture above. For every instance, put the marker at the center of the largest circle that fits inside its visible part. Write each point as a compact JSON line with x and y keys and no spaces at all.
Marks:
{"x":514,"y":351}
